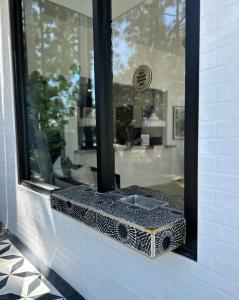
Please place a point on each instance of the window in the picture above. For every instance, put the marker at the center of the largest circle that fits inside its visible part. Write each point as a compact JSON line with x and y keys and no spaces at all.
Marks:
{"x":149,"y":121}
{"x":107,"y":95}
{"x":60,"y":99}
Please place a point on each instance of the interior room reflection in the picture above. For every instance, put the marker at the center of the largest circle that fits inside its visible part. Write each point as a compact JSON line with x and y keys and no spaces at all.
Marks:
{"x":148,"y":125}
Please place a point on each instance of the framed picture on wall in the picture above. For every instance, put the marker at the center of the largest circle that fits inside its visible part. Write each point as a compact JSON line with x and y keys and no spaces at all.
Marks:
{"x":178,"y":122}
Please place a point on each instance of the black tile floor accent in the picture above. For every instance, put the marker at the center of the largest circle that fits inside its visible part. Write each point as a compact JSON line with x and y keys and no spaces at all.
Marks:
{"x":24,"y":276}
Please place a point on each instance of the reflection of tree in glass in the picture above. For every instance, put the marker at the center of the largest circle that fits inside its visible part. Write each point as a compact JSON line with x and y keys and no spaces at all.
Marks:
{"x":50,"y":101}
{"x":59,"y":38}
{"x":156,"y":24}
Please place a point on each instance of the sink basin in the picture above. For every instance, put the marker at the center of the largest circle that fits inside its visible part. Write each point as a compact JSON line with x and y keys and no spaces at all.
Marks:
{"x":143,"y":202}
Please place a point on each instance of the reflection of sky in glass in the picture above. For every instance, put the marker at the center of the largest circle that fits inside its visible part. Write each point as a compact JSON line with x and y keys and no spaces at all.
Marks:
{"x":36,"y":7}
{"x":170,"y":14}
{"x":75,"y":80}
{"x":123,"y":41}
{"x":169,"y":17}
{"x":65,"y":95}
{"x":122,"y":50}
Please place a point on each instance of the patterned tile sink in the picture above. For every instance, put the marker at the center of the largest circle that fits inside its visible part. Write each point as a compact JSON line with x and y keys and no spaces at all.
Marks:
{"x":136,"y":217}
{"x":143,"y":202}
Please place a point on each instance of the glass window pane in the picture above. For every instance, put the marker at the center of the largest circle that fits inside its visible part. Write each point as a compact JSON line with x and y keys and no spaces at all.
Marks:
{"x":60,"y":102}
{"x":149,"y":93}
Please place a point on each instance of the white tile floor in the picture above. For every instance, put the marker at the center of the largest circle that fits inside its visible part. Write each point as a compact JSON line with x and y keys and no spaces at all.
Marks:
{"x":19,"y":279}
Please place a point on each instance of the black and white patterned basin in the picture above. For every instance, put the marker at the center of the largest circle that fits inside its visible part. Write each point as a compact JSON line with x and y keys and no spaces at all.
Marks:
{"x":151,"y":232}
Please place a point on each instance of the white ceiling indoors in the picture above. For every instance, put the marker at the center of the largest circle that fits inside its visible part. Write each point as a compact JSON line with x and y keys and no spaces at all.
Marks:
{"x":84,"y":7}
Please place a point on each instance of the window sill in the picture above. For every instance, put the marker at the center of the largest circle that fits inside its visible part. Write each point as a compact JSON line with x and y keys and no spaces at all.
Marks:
{"x":43,"y":188}
{"x":150,"y":232}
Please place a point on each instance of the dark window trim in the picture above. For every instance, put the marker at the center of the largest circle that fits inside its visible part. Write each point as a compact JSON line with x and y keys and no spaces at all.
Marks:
{"x":103,"y":86}
{"x":19,"y":66}
{"x":191,"y":128}
{"x":103,"y":94}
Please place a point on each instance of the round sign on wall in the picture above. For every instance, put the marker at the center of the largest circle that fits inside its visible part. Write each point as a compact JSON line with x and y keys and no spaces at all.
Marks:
{"x":142,"y":78}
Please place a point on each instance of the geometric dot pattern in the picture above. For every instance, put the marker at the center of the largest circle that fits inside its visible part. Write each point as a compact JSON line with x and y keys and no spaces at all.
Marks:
{"x":176,"y":236}
{"x":140,"y":229}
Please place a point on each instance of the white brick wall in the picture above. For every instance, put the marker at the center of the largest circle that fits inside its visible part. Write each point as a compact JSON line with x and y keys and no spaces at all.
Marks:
{"x":99,"y":267}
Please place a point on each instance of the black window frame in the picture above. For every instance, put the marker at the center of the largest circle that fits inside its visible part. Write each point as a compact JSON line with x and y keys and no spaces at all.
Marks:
{"x":103,"y":89}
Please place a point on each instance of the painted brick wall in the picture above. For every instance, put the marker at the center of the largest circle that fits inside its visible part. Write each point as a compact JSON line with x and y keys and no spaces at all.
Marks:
{"x":101,"y":268}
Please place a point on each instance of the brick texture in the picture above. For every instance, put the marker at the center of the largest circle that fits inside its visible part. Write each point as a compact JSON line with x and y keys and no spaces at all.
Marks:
{"x":100,"y":268}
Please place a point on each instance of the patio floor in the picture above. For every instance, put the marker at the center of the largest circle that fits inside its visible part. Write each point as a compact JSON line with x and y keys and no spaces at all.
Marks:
{"x":20,"y":279}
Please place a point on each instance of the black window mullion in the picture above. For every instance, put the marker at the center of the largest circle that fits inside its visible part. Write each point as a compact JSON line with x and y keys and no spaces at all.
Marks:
{"x":103,"y":94}
{"x":20,"y":69}
{"x":191,"y":127}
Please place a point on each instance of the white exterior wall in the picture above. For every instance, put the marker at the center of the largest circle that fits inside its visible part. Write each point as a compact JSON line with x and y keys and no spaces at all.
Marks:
{"x":100,"y":268}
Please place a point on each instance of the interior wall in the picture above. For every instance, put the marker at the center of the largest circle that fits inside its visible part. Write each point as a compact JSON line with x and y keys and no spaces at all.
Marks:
{"x":99,"y":267}
{"x":167,"y":73}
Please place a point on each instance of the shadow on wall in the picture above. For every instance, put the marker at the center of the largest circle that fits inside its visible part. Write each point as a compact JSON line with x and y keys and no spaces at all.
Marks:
{"x":36,"y":226}
{"x":45,"y":232}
